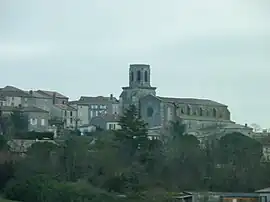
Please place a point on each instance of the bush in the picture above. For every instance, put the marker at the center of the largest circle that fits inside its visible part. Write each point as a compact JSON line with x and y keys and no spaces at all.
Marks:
{"x":43,"y":188}
{"x":6,"y":173}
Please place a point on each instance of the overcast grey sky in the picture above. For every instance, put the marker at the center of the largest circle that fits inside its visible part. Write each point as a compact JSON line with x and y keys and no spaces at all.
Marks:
{"x":216,"y":49}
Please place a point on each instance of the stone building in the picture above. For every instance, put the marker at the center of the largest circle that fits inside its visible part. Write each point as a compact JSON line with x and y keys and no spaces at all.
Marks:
{"x":158,"y":111}
{"x":139,"y":86}
{"x":91,"y":107}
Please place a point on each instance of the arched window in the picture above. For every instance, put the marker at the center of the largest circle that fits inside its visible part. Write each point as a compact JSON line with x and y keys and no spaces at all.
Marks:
{"x":214,"y":112}
{"x":146,"y":76}
{"x":131,"y":76}
{"x":188,"y":110}
{"x":138,"y":75}
{"x":201,"y":112}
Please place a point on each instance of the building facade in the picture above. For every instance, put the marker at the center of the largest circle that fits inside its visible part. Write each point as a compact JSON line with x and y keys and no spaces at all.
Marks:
{"x":37,"y":118}
{"x":106,"y":122}
{"x":158,"y":111}
{"x":90,"y":107}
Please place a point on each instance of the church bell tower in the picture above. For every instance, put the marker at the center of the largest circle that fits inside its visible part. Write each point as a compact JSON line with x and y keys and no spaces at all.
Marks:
{"x":139,"y":85}
{"x":139,"y":75}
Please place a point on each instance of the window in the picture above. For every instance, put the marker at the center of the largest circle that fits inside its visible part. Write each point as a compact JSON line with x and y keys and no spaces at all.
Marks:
{"x":65,"y":113}
{"x":92,"y":106}
{"x":138,"y":75}
{"x":111,"y":126}
{"x":70,"y":113}
{"x":63,"y":102}
{"x":33,"y":121}
{"x":150,"y":112}
{"x":102,"y":106}
{"x":71,"y":120}
{"x":131,"y":76}
{"x":146,"y":76}
{"x":182,"y":111}
{"x":201,"y":112}
{"x":96,"y":106}
{"x":188,"y":110}
{"x":214,"y":112}
{"x":43,"y":122}
{"x":96,"y":113}
{"x":91,"y":114}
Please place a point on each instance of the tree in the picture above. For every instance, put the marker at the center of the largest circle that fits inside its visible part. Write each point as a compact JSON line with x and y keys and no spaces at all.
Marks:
{"x":132,"y":136}
{"x":41,"y":158}
{"x":256,"y":127}
{"x":75,"y":157}
{"x":240,"y":158}
{"x":184,"y":159}
{"x":19,"y":119}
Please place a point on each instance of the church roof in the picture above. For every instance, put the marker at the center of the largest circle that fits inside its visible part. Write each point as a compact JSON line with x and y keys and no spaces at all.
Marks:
{"x":192,"y":101}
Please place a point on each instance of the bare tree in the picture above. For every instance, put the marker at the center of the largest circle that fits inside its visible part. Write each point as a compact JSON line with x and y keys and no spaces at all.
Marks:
{"x":256,"y":127}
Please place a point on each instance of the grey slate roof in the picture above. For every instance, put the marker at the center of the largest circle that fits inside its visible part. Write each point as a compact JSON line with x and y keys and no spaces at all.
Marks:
{"x":24,"y":109}
{"x":36,"y":94}
{"x":97,"y":99}
{"x":51,"y":93}
{"x":65,"y":107}
{"x":192,"y":101}
{"x":12,"y":91}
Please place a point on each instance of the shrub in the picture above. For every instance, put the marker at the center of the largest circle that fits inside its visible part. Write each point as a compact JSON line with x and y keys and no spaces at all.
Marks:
{"x":42,"y":188}
{"x":32,"y":135}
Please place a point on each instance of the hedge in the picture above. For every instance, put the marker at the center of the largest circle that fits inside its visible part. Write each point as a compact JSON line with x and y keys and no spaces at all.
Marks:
{"x":32,"y":135}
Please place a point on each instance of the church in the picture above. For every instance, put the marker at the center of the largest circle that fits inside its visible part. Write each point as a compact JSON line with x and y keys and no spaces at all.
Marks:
{"x":201,"y":116}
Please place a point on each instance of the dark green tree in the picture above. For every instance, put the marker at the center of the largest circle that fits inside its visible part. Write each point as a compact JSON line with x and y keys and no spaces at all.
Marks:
{"x":132,"y":136}
{"x":19,"y":120}
{"x":239,"y":162}
{"x":184,"y":159}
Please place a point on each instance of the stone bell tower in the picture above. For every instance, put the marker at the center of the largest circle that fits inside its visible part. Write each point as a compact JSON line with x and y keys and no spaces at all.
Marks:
{"x":139,"y":75}
{"x":139,"y":85}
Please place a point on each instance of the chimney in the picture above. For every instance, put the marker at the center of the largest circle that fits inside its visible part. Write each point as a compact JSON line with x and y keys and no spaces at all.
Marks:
{"x":31,"y":92}
{"x":246,"y":125}
{"x":54,"y":98}
{"x":111,"y":96}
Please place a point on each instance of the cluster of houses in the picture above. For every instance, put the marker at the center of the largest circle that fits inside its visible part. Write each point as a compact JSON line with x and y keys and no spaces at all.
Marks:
{"x":45,"y":109}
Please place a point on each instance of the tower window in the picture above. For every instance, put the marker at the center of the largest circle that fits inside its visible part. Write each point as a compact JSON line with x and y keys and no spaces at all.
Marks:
{"x":214,"y":112}
{"x":188,"y":110}
{"x":201,"y":112}
{"x":139,"y":75}
{"x":150,"y":112}
{"x":146,"y":76}
{"x":131,"y":76}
